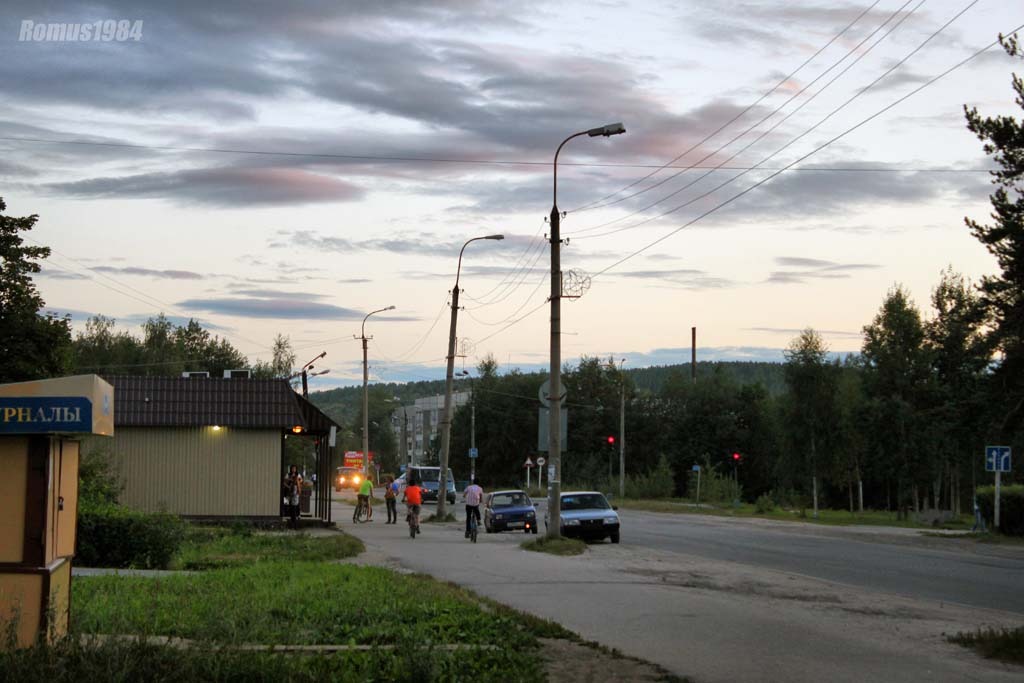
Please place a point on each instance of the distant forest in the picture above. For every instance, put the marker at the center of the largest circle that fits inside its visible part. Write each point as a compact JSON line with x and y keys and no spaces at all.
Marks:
{"x":344,"y":404}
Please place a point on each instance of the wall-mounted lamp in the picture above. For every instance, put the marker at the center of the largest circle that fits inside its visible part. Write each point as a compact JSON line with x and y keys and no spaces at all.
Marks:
{"x":297,"y":429}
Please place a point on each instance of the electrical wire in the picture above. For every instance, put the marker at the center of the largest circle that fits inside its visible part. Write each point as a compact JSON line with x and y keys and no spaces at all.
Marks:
{"x":804,"y":157}
{"x":598,"y":203}
{"x":828,"y":116}
{"x":853,"y":50}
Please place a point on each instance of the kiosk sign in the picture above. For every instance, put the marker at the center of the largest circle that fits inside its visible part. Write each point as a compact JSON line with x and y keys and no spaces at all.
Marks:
{"x":45,"y":414}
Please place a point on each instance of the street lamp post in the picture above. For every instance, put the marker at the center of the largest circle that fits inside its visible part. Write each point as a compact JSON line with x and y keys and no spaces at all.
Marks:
{"x":366,"y":395}
{"x":446,"y":422}
{"x":622,"y":431}
{"x":555,"y":415}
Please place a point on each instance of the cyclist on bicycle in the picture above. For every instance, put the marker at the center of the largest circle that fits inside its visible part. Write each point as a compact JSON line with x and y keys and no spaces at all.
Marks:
{"x":413,"y":497}
{"x":473,"y":495}
{"x":365,"y":494}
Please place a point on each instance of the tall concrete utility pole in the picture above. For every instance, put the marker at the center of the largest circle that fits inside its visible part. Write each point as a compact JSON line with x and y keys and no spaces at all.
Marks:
{"x":554,"y":529}
{"x":693,"y":354}
{"x":446,"y":420}
{"x":622,"y":431}
{"x":366,"y":394}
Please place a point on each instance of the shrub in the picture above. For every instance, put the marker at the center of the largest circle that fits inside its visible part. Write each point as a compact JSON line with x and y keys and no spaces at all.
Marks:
{"x":764,"y":504}
{"x":715,"y":487}
{"x":1011,"y":507}
{"x":111,"y":535}
{"x":98,"y":483}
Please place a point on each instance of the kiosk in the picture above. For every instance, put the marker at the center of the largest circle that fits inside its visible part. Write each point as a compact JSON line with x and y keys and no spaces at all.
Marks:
{"x":40,"y":424}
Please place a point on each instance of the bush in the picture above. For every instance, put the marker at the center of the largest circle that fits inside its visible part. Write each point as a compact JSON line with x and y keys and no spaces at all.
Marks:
{"x":98,"y":483}
{"x":764,"y":504}
{"x":115,"y":536}
{"x":658,"y":483}
{"x":1011,"y":507}
{"x":715,"y":487}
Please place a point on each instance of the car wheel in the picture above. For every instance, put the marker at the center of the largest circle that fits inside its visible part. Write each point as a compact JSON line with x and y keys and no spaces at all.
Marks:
{"x":534,"y":529}
{"x":614,"y":537}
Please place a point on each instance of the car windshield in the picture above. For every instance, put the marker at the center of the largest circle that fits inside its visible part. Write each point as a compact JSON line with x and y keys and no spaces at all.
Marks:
{"x":429,"y":475}
{"x":501,"y":500}
{"x":585,"y":501}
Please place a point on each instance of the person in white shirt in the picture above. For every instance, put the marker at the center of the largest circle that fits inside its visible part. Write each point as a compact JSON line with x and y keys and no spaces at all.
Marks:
{"x":473,"y":495}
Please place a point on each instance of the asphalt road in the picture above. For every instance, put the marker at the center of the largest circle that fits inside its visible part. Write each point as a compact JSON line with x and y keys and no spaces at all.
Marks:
{"x":722,"y":599}
{"x":988,"y":577}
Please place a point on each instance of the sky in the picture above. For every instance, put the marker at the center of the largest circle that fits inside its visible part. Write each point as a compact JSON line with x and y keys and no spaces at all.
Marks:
{"x":269,"y":167}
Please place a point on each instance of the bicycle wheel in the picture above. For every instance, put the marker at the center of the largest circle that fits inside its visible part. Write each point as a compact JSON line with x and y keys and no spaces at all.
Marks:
{"x":358,"y":514}
{"x":472,"y":531}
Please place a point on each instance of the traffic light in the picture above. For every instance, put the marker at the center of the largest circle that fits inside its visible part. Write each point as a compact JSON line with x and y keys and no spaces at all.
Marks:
{"x":736,"y":458}
{"x":611,"y":440}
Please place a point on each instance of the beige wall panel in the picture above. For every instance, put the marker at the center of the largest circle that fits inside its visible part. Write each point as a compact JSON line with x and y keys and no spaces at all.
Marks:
{"x":68,"y":489}
{"x":21,"y":597}
{"x":14,"y":465}
{"x":199,"y":471}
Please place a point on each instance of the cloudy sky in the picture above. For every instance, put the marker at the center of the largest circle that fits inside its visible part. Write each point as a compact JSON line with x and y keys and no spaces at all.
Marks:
{"x":273,"y":167}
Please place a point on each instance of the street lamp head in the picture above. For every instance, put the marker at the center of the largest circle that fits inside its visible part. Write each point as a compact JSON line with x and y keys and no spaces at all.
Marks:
{"x":495,"y":237}
{"x":607,"y":131}
{"x":390,"y":308}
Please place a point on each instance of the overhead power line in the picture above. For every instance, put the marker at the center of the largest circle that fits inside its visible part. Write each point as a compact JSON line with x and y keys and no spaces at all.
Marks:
{"x":761,"y":182}
{"x":437,"y":160}
{"x":597,"y":203}
{"x":821,"y":121}
{"x":854,"y":50}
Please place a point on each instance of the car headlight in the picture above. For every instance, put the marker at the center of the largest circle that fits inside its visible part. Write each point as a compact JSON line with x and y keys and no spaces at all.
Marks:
{"x":355,"y":480}
{"x":611,"y":520}
{"x":531,"y":515}
{"x":572,"y":522}
{"x":499,"y":516}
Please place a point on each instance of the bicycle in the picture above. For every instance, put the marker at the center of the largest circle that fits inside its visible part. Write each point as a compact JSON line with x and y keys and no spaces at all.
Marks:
{"x":413,"y":518}
{"x":473,"y":525}
{"x":361,"y":513}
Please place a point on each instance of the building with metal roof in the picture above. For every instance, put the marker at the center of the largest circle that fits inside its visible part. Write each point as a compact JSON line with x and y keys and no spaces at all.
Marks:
{"x":213,"y":448}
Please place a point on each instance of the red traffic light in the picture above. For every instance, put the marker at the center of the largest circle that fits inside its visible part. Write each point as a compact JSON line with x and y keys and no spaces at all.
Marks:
{"x":611,"y":440}
{"x":736,"y":457}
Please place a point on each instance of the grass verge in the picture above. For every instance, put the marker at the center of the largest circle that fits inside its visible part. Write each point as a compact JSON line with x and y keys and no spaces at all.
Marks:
{"x":448,"y":517}
{"x":825,"y":517}
{"x":555,"y":546}
{"x":406,"y":620}
{"x":1004,"y":644}
{"x":71,"y":661}
{"x":220,"y":547}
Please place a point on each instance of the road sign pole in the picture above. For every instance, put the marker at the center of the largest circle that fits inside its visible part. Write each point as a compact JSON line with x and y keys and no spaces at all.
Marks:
{"x":998,"y":473}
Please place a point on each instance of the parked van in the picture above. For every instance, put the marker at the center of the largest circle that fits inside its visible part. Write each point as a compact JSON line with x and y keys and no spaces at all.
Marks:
{"x":429,"y":479}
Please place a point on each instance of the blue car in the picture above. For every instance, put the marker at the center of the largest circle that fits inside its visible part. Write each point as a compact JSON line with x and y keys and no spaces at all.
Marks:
{"x":510,"y":511}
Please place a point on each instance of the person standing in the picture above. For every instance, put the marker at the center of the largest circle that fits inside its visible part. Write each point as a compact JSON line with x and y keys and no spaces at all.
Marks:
{"x":293,"y":489}
{"x":473,"y":495}
{"x":391,"y":500}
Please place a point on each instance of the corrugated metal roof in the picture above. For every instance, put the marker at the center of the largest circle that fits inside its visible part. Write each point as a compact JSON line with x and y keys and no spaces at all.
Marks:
{"x":189,"y":402}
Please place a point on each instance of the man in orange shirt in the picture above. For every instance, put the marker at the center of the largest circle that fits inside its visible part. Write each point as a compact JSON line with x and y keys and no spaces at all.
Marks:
{"x":413,"y":498}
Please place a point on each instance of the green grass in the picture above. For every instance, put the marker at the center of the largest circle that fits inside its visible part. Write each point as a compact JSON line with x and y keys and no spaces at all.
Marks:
{"x":448,"y":517}
{"x":123,"y":662}
{"x":219,"y":547}
{"x":1004,"y":644}
{"x":290,"y":603}
{"x":555,"y":546}
{"x":825,"y":517}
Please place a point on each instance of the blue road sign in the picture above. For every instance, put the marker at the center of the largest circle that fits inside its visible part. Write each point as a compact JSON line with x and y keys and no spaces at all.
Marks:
{"x":997,"y":458}
{"x":696,"y":468}
{"x":473,"y":453}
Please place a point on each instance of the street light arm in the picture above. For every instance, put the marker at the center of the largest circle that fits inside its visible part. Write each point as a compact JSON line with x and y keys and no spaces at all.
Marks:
{"x":362,"y":332}
{"x":557,"y":151}
{"x":458,"y":271}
